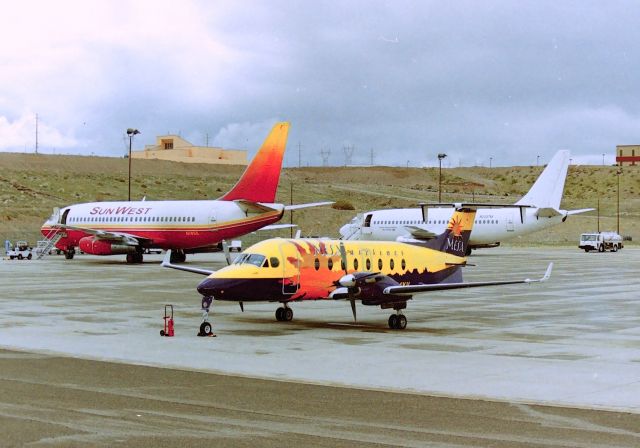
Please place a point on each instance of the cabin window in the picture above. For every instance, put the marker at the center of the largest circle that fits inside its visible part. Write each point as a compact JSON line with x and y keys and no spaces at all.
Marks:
{"x":330,"y":264}
{"x":355,"y":264}
{"x":274,"y":262}
{"x":380,"y":263}
{"x":316,"y":264}
{"x":368,"y":264}
{"x":403,"y":264}
{"x":391,"y":263}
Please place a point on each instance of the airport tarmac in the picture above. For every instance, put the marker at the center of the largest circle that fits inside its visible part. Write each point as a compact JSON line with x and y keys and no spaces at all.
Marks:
{"x":573,"y":341}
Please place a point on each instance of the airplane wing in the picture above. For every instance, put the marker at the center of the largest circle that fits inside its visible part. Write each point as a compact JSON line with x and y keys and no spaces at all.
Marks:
{"x":113,"y":237}
{"x":166,"y":263}
{"x":310,"y":204}
{"x":412,"y":289}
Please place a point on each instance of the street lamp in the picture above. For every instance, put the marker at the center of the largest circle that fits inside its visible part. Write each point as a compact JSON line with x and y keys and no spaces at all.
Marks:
{"x":490,"y":160}
{"x":618,"y":174}
{"x":537,"y":160}
{"x":440,"y":157}
{"x":130,"y":132}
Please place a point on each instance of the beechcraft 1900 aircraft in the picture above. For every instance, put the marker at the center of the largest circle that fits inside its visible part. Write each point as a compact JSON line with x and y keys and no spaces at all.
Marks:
{"x":109,"y":228}
{"x":385,"y":274}
{"x":538,"y":209}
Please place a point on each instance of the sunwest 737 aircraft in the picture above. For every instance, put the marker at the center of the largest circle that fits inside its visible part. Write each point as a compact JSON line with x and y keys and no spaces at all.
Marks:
{"x":385,"y":274}
{"x":538,"y":209}
{"x":109,"y":228}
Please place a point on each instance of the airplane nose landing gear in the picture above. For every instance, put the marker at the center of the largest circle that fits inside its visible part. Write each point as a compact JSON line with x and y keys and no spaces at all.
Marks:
{"x":206,"y":329}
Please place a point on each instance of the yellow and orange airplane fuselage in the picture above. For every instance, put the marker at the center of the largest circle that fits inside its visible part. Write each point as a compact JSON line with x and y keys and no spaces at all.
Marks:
{"x":283,"y":270}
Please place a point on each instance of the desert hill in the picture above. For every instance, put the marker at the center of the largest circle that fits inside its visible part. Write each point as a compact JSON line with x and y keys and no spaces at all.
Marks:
{"x":31,"y":185}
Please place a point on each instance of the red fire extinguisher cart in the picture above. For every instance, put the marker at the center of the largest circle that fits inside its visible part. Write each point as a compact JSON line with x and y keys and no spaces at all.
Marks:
{"x":168,"y":321}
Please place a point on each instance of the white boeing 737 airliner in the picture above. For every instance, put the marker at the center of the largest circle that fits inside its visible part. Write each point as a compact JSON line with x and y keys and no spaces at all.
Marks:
{"x":538,"y":209}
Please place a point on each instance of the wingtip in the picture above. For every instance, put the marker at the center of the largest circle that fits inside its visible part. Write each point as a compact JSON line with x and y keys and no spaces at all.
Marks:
{"x":167,"y":259}
{"x":547,"y":274}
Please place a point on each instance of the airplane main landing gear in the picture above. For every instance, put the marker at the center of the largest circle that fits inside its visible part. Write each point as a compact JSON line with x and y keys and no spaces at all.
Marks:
{"x":134,"y":258}
{"x":69,"y":253}
{"x":397,"y":321}
{"x":284,"y":314}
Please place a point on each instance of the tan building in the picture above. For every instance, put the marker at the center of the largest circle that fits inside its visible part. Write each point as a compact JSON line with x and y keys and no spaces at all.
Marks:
{"x":628,"y":155}
{"x":177,"y":149}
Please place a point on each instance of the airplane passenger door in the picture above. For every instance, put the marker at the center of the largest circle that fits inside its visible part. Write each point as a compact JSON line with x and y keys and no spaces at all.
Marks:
{"x":509,"y":222}
{"x":290,"y":283}
{"x":366,"y":225}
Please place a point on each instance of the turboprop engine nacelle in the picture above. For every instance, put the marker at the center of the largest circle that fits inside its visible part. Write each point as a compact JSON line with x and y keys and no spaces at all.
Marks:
{"x":93,"y":246}
{"x":348,"y":281}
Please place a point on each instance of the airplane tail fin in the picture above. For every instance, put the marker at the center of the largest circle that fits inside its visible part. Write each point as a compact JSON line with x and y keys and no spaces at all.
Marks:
{"x":455,"y":239}
{"x":259,"y":181}
{"x":547,"y":190}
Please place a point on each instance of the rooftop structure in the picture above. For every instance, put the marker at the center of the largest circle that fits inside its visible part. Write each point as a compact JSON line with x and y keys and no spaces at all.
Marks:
{"x":177,"y":149}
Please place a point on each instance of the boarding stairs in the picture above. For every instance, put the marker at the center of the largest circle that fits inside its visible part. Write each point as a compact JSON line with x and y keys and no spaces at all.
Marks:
{"x":52,"y":237}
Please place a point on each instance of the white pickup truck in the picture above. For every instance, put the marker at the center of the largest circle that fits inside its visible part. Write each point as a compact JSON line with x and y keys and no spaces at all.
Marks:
{"x":601,"y":241}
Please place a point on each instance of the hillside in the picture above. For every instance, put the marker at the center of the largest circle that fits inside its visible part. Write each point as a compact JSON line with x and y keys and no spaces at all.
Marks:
{"x":31,"y":185}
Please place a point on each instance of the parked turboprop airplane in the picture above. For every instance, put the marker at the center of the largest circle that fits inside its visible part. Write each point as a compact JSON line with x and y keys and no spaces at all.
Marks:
{"x":109,"y":228}
{"x":538,"y":209}
{"x":385,"y":274}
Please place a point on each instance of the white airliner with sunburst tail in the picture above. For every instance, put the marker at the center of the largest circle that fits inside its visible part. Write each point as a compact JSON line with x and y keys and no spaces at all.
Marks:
{"x":109,"y":228}
{"x":538,"y":209}
{"x":377,"y":273}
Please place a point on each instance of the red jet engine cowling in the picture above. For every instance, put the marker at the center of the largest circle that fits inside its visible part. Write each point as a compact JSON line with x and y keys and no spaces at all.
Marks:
{"x":93,"y":246}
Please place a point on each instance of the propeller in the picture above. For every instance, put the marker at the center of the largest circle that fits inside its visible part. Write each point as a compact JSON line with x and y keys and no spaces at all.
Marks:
{"x":343,"y":256}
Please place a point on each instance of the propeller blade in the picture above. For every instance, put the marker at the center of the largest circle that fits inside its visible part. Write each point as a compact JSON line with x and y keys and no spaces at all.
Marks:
{"x":225,"y":249}
{"x":343,"y":256}
{"x":241,"y":306}
{"x":353,"y":309}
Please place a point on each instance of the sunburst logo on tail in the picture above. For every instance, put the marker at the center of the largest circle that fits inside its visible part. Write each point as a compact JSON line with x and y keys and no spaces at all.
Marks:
{"x":456,"y":226}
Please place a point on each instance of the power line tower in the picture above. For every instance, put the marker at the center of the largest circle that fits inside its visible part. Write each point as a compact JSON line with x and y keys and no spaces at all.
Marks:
{"x":348,"y":154}
{"x":325,"y":153}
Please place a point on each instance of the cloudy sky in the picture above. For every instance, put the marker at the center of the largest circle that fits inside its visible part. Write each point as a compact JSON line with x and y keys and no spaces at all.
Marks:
{"x":510,"y":80}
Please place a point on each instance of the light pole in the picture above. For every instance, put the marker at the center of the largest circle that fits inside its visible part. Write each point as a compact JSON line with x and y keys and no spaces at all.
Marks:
{"x":537,"y":160}
{"x":440,"y":157}
{"x":618,"y":174}
{"x":602,"y":159}
{"x":130,"y":132}
{"x":490,"y":160}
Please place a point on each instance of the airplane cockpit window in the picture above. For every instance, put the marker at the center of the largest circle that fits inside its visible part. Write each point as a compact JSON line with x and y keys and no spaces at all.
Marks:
{"x":254,"y":259}
{"x":274,"y":262}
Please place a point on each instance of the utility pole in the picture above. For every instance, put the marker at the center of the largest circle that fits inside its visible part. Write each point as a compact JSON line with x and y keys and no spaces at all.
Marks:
{"x":348,"y":154}
{"x":299,"y":154}
{"x":36,"y":133}
{"x":440,"y":157}
{"x":490,"y":160}
{"x":372,"y":156}
{"x":206,"y":140}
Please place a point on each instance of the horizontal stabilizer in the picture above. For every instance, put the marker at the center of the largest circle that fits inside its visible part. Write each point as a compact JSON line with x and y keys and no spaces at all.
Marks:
{"x":277,"y":227}
{"x":420,"y":233}
{"x":311,"y":204}
{"x":548,"y":212}
{"x":582,"y":210}
{"x":253,"y":207}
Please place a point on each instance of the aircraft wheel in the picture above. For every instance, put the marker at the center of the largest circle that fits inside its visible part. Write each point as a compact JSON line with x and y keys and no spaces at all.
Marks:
{"x":615,"y":248}
{"x":205,"y":329}
{"x":69,"y":254}
{"x":29,"y":257}
{"x":130,"y":258}
{"x":161,"y":332}
{"x":280,"y":314}
{"x":20,"y":257}
{"x":401,"y":322}
{"x":393,"y":321}
{"x":601,"y":248}
{"x":586,"y":249}
{"x":288,"y":314}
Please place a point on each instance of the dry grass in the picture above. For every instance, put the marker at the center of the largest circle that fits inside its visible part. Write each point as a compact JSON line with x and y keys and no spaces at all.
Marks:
{"x":31,"y":185}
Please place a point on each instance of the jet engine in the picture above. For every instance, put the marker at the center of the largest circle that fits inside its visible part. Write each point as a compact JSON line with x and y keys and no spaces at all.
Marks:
{"x":92,"y":245}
